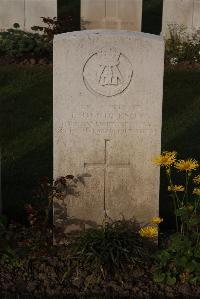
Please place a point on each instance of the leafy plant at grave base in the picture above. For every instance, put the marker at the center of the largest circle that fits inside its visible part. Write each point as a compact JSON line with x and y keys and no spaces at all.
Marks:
{"x":36,"y":240}
{"x":40,"y":213}
{"x":112,"y":248}
{"x":182,"y":46}
{"x":179,"y":259}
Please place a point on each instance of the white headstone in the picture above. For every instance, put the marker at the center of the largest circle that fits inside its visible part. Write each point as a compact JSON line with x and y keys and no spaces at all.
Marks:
{"x":108,"y":88}
{"x":111,"y":14}
{"x":184,"y":13}
{"x":27,"y":13}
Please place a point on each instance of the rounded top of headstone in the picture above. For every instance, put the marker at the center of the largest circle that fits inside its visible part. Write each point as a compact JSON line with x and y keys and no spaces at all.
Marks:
{"x":108,"y":32}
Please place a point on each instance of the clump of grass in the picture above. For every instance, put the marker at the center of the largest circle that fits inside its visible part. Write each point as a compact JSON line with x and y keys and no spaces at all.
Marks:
{"x":112,"y":247}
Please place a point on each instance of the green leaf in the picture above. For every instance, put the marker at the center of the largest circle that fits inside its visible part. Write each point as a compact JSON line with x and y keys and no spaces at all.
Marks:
{"x":181,"y":212}
{"x":193,"y":280}
{"x":193,"y":221}
{"x":182,"y":261}
{"x":170,"y":280}
{"x":163,"y":257}
{"x":197,"y":252}
{"x":159,"y":276}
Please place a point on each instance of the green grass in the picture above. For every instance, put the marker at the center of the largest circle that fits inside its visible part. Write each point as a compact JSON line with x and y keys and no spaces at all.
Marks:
{"x":25,"y":132}
{"x":26,"y":127}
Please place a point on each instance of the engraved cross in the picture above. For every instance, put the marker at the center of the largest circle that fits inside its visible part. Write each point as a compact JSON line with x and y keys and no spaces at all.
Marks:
{"x":105,"y":165}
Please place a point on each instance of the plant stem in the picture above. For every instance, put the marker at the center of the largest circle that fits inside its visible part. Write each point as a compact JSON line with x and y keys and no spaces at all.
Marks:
{"x":174,"y":196}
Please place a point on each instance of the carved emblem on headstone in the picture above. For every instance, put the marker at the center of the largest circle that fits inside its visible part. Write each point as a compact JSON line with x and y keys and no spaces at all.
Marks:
{"x":107,"y":72}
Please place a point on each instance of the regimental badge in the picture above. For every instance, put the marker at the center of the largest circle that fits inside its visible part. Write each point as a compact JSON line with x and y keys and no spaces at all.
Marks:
{"x":107,"y":72}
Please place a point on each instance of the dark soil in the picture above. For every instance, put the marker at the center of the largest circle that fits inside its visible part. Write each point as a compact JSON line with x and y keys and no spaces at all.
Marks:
{"x":50,"y":271}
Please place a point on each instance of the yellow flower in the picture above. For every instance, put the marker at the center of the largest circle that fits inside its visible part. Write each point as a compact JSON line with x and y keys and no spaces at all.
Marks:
{"x":196,"y":191}
{"x":148,"y":232}
{"x":176,"y":188}
{"x":166,"y":159}
{"x":196,"y":179}
{"x":156,"y":220}
{"x":187,"y":165}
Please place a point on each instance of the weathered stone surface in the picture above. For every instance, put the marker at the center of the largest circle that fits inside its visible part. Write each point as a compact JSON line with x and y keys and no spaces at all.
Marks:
{"x":108,"y":89}
{"x":12,"y":11}
{"x":196,"y":17}
{"x":111,"y":14}
{"x":181,"y":12}
{"x":35,"y":9}
{"x":27,"y":13}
